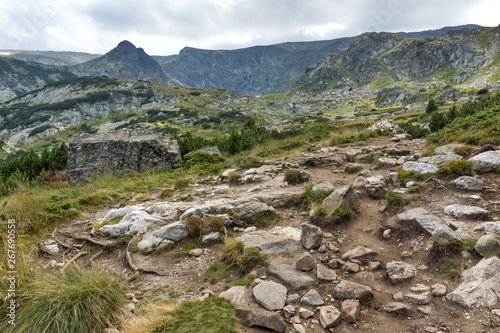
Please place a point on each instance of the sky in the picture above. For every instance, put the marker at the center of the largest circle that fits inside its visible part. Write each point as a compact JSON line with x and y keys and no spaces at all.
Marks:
{"x":164,"y":27}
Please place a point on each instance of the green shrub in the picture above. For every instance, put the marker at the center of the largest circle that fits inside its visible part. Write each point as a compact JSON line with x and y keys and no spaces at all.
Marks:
{"x":294,"y":176}
{"x":415,"y":188}
{"x":309,"y":197}
{"x":431,"y":106}
{"x":215,"y":223}
{"x":217,"y":271}
{"x":469,"y":244}
{"x":457,"y":167}
{"x":78,"y":300}
{"x":341,"y":214}
{"x":211,"y":315}
{"x":234,"y":177}
{"x":464,"y":151}
{"x":194,"y":226}
{"x":394,"y":199}
{"x":179,"y":184}
{"x":319,"y":211}
{"x":353,"y":169}
{"x":482,"y":91}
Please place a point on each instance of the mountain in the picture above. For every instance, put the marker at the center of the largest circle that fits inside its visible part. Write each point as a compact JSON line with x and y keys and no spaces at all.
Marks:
{"x":57,"y":58}
{"x":125,"y":61}
{"x":19,"y":77}
{"x":457,"y":57}
{"x":436,"y":32}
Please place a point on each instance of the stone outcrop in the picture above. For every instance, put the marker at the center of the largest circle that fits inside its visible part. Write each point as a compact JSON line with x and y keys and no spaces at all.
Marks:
{"x":121,"y":153}
{"x":486,"y":162}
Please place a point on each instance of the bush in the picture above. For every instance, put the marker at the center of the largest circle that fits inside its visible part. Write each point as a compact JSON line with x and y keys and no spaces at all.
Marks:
{"x":234,"y":253}
{"x":353,"y":169}
{"x":179,"y":184}
{"x":394,"y":199}
{"x":309,"y":197}
{"x":431,"y":106}
{"x":341,"y":214}
{"x":294,"y":176}
{"x":211,"y":315}
{"x":438,"y":121}
{"x":234,"y":177}
{"x":194,"y":226}
{"x":482,"y":91}
{"x":458,"y":167}
{"x":78,"y":300}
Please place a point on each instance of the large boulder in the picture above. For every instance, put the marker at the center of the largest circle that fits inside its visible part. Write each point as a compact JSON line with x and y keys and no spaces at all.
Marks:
{"x":122,"y":153}
{"x":270,"y":295}
{"x":276,"y":240}
{"x":469,"y":183}
{"x":486,"y":162}
{"x":253,"y":316}
{"x":466,"y":212}
{"x":430,"y":223}
{"x":344,"y":196}
{"x":293,"y":280}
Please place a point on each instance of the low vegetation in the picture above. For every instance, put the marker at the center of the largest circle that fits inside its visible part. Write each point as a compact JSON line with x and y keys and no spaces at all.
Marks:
{"x":457,"y":167}
{"x":310,"y":197}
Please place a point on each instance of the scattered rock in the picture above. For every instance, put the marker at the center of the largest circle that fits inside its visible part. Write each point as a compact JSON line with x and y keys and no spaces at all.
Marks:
{"x":359,"y":252}
{"x":469,"y":183}
{"x":51,"y":246}
{"x":488,"y":245}
{"x":447,"y":149}
{"x":344,"y":196}
{"x":325,"y":186}
{"x":439,"y":290}
{"x":305,"y":262}
{"x":131,"y":223}
{"x":397,"y":308}
{"x":238,"y":295}
{"x":270,"y":295}
{"x":289,"y":311}
{"x":420,"y":299}
{"x":386,"y":125}
{"x":352,"y":290}
{"x":325,"y":274}
{"x":399,"y":272}
{"x":419,"y":167}
{"x":467,"y":212}
{"x":299,"y":328}
{"x":375,"y":187}
{"x":292,"y":279}
{"x":486,"y":162}
{"x":439,"y":159}
{"x":276,"y":240}
{"x":312,"y":236}
{"x":312,"y":298}
{"x":305,"y":313}
{"x":329,"y":316}
{"x":196,"y":252}
{"x":251,"y":316}
{"x":350,"y":310}
{"x":351,"y":153}
{"x":430,"y":223}
{"x":492,"y":227}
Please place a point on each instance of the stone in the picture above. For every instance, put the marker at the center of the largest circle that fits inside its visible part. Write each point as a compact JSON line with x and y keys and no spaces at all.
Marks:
{"x":438,"y":290}
{"x":428,"y":222}
{"x":439,"y":159}
{"x":466,"y":212}
{"x":281,"y":200}
{"x":121,"y":152}
{"x":132,"y":223}
{"x":420,"y":299}
{"x":420,"y":288}
{"x":238,"y":295}
{"x":397,"y":308}
{"x":312,"y":298}
{"x":386,"y":125}
{"x":486,"y":162}
{"x":305,"y":262}
{"x":488,"y":245}
{"x":375,"y":187}
{"x":325,"y":186}
{"x":352,"y":290}
{"x":344,"y":196}
{"x":292,"y":299}
{"x":270,"y":295}
{"x":399,"y":272}
{"x":350,"y":267}
{"x":305,"y":313}
{"x":172,"y":232}
{"x":214,"y":150}
{"x":325,"y":274}
{"x":276,"y":240}
{"x":299,"y":328}
{"x":288,"y":311}
{"x":421,"y":168}
{"x":426,"y":309}
{"x":292,"y":279}
{"x":350,"y":310}
{"x":359,"y":252}
{"x":302,"y":175}
{"x":196,"y":252}
{"x":312,"y":236}
{"x":351,"y":153}
{"x":329,"y":316}
{"x":252,"y":316}
{"x":51,"y":247}
{"x":447,"y":149}
{"x":211,"y":238}
{"x":468,"y":183}
{"x":374,"y":265}
{"x":398,"y":296}
{"x":388,"y":161}
{"x":480,"y":285}
{"x":492,"y":227}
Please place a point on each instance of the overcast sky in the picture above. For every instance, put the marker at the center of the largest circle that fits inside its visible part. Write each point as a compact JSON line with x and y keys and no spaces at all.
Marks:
{"x":164,"y":27}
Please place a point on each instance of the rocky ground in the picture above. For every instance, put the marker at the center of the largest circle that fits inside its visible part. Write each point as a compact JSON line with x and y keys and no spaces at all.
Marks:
{"x":381,"y":271}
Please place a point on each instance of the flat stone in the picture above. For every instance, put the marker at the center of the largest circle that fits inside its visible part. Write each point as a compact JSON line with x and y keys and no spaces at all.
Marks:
{"x":350,"y":153}
{"x":359,"y":252}
{"x":486,"y":162}
{"x":252,"y":316}
{"x":439,"y":290}
{"x":131,"y":223}
{"x":400,"y":272}
{"x":397,"y":307}
{"x":196,"y":252}
{"x":492,"y":227}
{"x":447,"y":149}
{"x":329,"y":316}
{"x":469,"y":183}
{"x":430,"y":223}
{"x":305,"y":313}
{"x":312,"y":236}
{"x":350,"y":310}
{"x":440,"y":159}
{"x":288,"y":311}
{"x":276,"y":240}
{"x":238,"y":295}
{"x":305,"y":263}
{"x":420,"y":299}
{"x":388,"y":161}
{"x":312,"y":298}
{"x":270,"y":295}
{"x":325,"y":186}
{"x":325,"y":274}
{"x":299,"y":328}
{"x":293,"y":280}
{"x":350,"y":267}
{"x":466,"y":212}
{"x":421,"y":168}
{"x":352,"y":290}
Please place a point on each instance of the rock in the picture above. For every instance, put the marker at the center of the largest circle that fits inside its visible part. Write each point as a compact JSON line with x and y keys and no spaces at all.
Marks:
{"x":132,"y":223}
{"x":325,"y":274}
{"x":299,"y":328}
{"x":439,"y":159}
{"x":270,"y":295}
{"x":51,"y":247}
{"x":238,"y":295}
{"x":251,"y":316}
{"x":305,"y":313}
{"x":350,"y":267}
{"x":492,"y":227}
{"x":305,"y":262}
{"x":122,"y":152}
{"x":344,"y":196}
{"x":486,"y":162}
{"x":420,"y":288}
{"x":172,"y":232}
{"x":398,"y":308}
{"x":375,"y":187}
{"x":352,"y":290}
{"x":438,"y":290}
{"x":468,"y":183}
{"x":388,"y":161}
{"x":281,"y":200}
{"x":350,"y":310}
{"x":430,"y":223}
{"x":211,"y":238}
{"x":426,"y":309}
{"x":496,"y":312}
{"x":420,"y":299}
{"x":374,"y":265}
{"x":214,"y":150}
{"x":386,"y":125}
{"x":292,"y":279}
{"x":196,"y":252}
{"x":480,"y":285}
{"x":421,"y":168}
{"x":312,"y":298}
{"x":288,"y":311}
{"x":488,"y":245}
{"x":399,"y":272}
{"x":302,"y":176}
{"x":447,"y":149}
{"x":292,"y":299}
{"x":276,"y":240}
{"x":359,"y":252}
{"x":325,"y":186}
{"x":329,"y":316}
{"x":312,"y":236}
{"x":466,"y":212}
{"x":351,"y":153}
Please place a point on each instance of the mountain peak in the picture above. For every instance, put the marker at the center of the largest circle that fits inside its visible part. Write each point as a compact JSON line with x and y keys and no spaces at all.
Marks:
{"x":125,"y":44}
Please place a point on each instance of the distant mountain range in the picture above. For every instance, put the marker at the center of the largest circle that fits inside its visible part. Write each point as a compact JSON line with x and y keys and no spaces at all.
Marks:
{"x":255,"y":70}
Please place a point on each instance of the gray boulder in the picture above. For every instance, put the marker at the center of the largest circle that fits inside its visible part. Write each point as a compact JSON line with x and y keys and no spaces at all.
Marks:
{"x":276,"y":240}
{"x":253,"y":316}
{"x":130,"y":224}
{"x":399,"y":272}
{"x":329,"y":316}
{"x":447,"y":149}
{"x":486,"y":162}
{"x":312,"y":298}
{"x":492,"y":227}
{"x":122,"y":153}
{"x":305,"y":262}
{"x":419,"y":167}
{"x":344,"y":196}
{"x":468,"y":183}
{"x":351,"y":153}
{"x":430,"y":223}
{"x":466,"y":212}
{"x":358,"y":252}
{"x":325,"y":274}
{"x":238,"y":295}
{"x":480,"y":285}
{"x":325,"y":186}
{"x":293,"y":280}
{"x":352,"y":290}
{"x":488,"y":245}
{"x":270,"y":295}
{"x":439,"y":159}
{"x":312,"y":236}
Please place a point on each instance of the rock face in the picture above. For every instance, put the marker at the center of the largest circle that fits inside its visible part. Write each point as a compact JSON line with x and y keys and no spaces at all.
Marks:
{"x":121,"y":153}
{"x":486,"y":162}
{"x":480,"y":285}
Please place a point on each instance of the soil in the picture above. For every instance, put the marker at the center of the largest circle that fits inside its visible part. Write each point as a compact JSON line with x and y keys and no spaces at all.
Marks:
{"x":182,"y":277}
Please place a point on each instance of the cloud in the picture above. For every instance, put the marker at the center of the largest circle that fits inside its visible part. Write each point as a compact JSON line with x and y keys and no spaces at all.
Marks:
{"x":166,"y":26}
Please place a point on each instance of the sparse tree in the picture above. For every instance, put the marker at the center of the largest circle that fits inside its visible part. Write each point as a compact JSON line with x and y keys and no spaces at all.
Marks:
{"x":431,"y":106}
